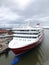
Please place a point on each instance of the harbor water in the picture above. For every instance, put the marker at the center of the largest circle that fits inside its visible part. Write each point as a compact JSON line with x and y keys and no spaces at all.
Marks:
{"x":37,"y":56}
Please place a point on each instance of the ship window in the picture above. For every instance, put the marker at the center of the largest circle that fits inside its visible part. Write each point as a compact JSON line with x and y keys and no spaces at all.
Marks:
{"x":25,"y":37}
{"x":27,"y":30}
{"x":27,"y":33}
{"x":34,"y":30}
{"x":22,"y":30}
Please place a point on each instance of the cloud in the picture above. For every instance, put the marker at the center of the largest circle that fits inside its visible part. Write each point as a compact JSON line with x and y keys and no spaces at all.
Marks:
{"x":20,"y":11}
{"x":38,"y":18}
{"x":17,"y":4}
{"x":22,"y":4}
{"x":7,"y":14}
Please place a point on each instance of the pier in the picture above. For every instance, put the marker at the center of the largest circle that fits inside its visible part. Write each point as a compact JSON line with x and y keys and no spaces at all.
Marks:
{"x":3,"y":48}
{"x":4,"y":44}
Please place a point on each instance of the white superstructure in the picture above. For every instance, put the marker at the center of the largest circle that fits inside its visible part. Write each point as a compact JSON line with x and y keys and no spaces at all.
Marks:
{"x":25,"y":36}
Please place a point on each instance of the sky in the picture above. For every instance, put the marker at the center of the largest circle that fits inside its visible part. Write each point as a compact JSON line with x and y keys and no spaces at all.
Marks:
{"x":17,"y":12}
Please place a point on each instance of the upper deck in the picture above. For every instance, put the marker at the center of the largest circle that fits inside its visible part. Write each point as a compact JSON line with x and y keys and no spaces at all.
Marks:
{"x":27,"y":32}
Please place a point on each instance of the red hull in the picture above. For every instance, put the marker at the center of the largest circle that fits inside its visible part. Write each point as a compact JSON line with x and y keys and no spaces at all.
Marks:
{"x":24,"y":49}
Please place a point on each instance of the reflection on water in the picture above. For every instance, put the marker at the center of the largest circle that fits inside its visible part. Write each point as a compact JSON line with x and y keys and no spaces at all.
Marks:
{"x":36,"y":56}
{"x":5,"y":53}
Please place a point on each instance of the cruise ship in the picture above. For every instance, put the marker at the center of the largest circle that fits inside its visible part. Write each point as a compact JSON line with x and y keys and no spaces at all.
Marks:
{"x":25,"y":39}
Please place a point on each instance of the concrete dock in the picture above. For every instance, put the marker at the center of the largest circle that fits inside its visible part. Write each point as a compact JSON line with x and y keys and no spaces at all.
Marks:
{"x":4,"y":45}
